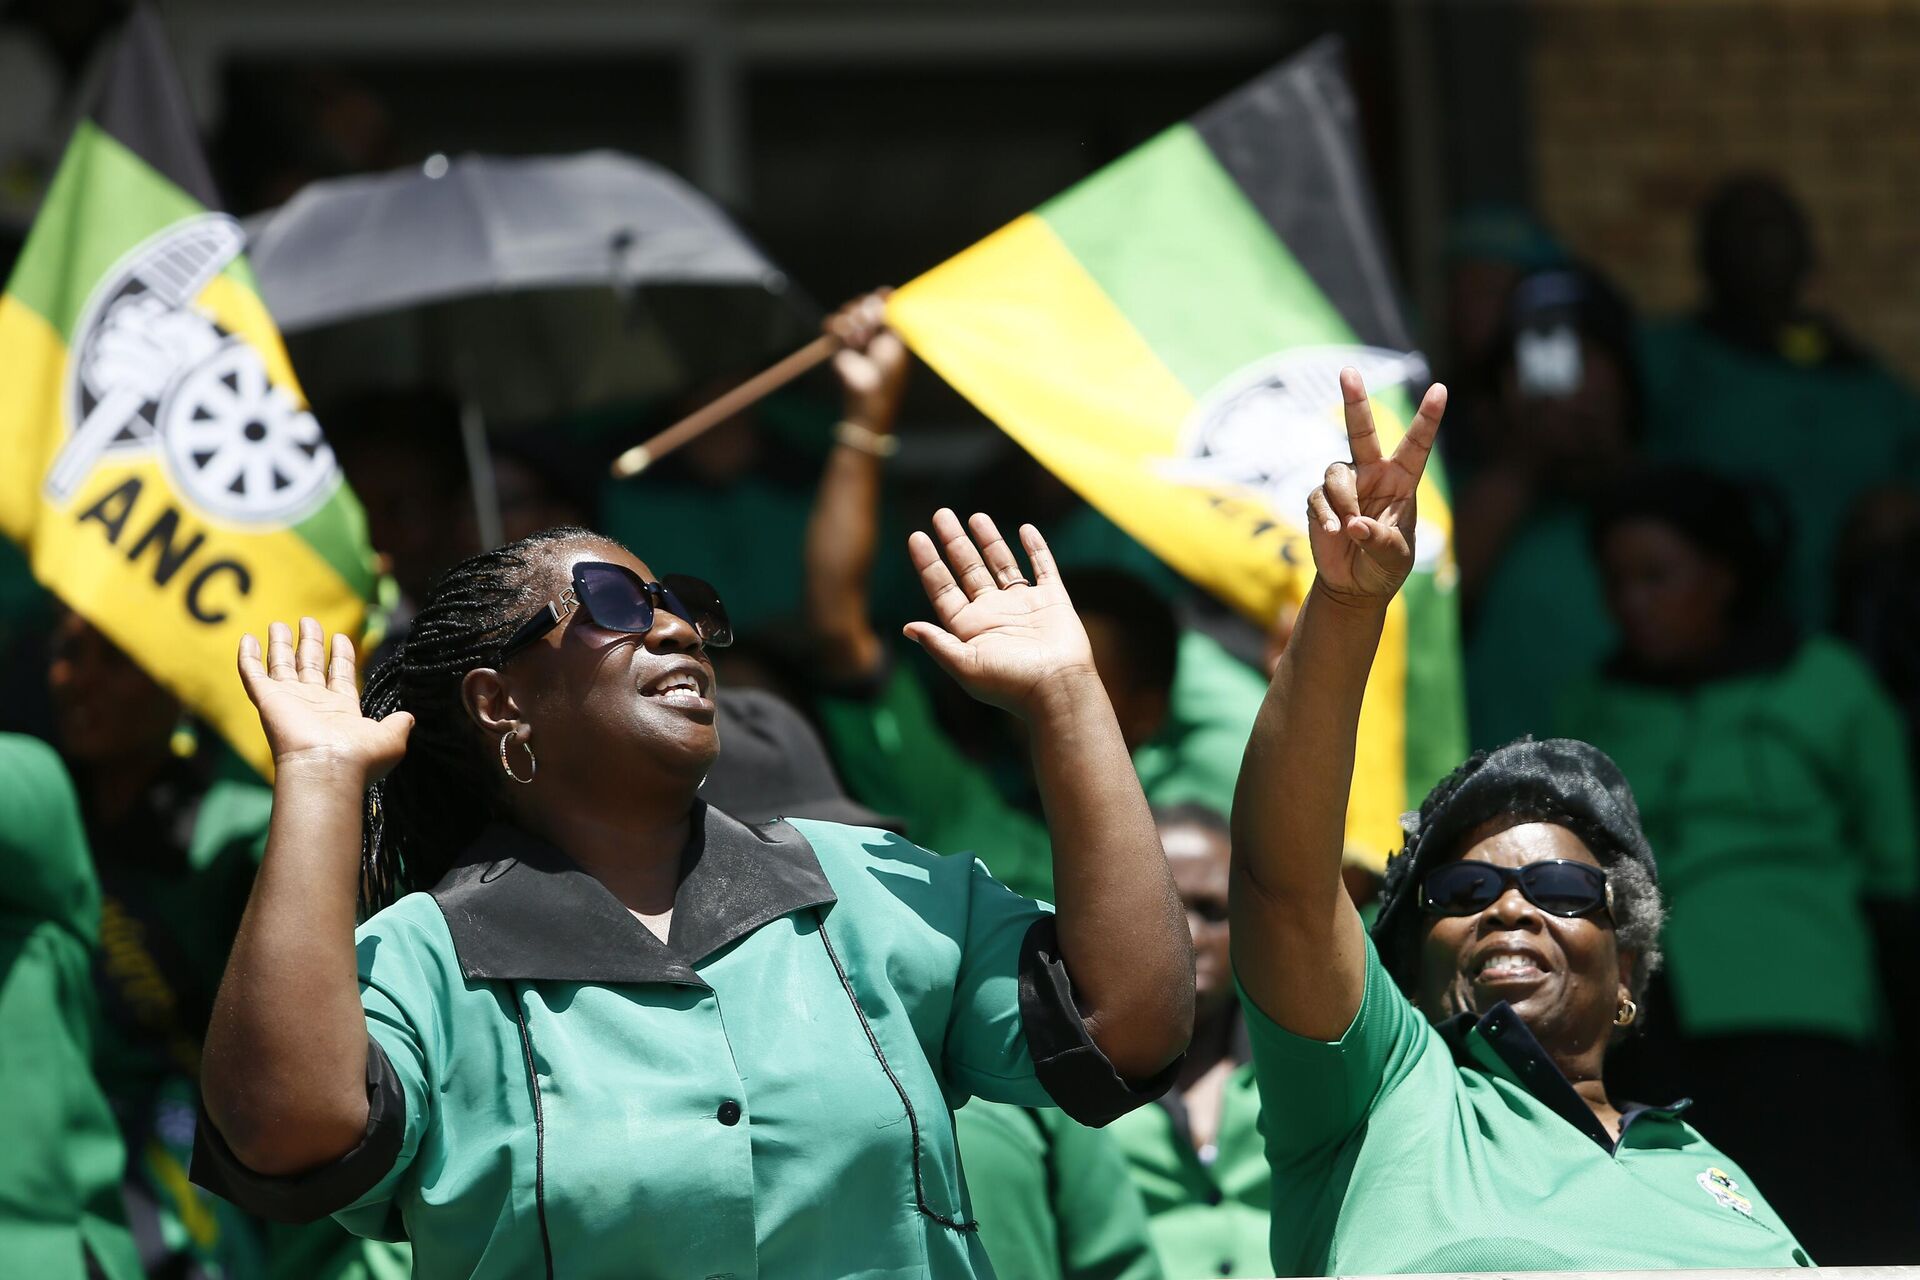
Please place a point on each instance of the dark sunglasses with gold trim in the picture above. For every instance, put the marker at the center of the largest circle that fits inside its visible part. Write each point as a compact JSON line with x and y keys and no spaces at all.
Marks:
{"x":616,"y":598}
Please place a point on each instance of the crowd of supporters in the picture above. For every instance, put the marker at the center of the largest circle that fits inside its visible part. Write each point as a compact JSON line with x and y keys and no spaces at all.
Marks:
{"x":1692,"y":542}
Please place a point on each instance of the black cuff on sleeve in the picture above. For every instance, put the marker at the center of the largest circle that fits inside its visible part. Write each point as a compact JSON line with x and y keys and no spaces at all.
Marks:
{"x":310,"y":1196}
{"x":1071,"y":1068}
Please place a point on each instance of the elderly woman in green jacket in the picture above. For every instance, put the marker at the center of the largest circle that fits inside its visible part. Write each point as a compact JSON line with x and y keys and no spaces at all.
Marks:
{"x":1773,"y":773}
{"x":1433,"y":1095}
{"x":601,"y":1029}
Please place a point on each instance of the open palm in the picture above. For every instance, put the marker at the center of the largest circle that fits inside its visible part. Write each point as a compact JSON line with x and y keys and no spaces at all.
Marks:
{"x":1001,"y":636}
{"x":310,"y":709}
{"x":1360,"y":521}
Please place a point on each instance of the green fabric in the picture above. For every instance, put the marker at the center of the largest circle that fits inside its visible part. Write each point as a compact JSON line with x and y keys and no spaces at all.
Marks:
{"x":1052,"y":1197}
{"x":1225,"y":293}
{"x":1774,"y":804}
{"x":640,"y":1178}
{"x":61,"y":1163}
{"x":1436,"y":694}
{"x":1390,"y":1157}
{"x":1206,"y":1219}
{"x":894,"y":756}
{"x":1822,"y":434}
{"x":1542,"y":625}
{"x":1195,"y":758}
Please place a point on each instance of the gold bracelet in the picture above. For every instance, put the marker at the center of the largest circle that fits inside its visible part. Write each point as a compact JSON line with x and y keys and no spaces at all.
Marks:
{"x":866,"y":440}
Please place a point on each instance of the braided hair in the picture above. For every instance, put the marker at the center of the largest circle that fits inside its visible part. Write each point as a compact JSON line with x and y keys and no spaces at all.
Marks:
{"x":443,"y":792}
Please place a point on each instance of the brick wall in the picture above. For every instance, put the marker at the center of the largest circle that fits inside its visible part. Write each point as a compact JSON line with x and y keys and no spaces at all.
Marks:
{"x":1639,"y":106}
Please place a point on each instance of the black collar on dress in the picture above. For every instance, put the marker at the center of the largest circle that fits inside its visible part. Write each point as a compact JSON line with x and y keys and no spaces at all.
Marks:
{"x":1501,"y":1043}
{"x":520,"y":909}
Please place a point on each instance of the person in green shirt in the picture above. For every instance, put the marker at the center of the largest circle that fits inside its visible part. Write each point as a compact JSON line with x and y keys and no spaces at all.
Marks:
{"x":1185,"y":705}
{"x":1051,"y":1196}
{"x":1432,"y":1093}
{"x":1565,"y":417}
{"x":602,"y":1029}
{"x":1196,"y":1155}
{"x":1757,"y":374}
{"x":175,"y":848}
{"x":1774,"y":778}
{"x":61,"y":1215}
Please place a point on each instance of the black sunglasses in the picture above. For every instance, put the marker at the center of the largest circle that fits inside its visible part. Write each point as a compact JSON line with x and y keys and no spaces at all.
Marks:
{"x":616,"y":598}
{"x":1558,"y":886}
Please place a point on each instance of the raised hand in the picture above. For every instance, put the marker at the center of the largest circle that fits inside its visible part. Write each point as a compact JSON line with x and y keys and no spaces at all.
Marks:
{"x":1002,"y":637}
{"x":1360,"y":521}
{"x":873,"y":366}
{"x":313,"y":715}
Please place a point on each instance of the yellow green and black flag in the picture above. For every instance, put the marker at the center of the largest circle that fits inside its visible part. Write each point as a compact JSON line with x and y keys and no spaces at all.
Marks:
{"x":1166,"y":337}
{"x":163,"y":473}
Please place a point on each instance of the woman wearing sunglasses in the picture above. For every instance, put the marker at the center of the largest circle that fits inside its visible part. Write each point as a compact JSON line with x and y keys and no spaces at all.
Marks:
{"x":1433,"y":1095}
{"x":600,"y":1029}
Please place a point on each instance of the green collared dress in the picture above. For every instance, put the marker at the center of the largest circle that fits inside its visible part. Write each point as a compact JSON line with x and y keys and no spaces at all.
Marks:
{"x":1406,"y":1147}
{"x":555,"y":1091}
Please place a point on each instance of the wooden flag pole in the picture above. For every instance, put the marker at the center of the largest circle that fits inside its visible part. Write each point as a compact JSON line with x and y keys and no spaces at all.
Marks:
{"x":758,"y":387}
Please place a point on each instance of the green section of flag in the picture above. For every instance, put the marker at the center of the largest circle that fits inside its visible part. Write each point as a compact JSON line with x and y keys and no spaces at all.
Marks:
{"x":1171,"y":238}
{"x":104,"y":201}
{"x":337,"y":532}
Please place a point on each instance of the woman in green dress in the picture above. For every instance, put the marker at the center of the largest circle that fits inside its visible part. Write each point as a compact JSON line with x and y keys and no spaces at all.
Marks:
{"x":602,"y":1029}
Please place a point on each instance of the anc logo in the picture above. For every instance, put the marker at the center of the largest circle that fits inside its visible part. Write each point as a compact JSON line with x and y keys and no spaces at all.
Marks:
{"x":151,"y":370}
{"x":1718,"y":1184}
{"x":1273,"y":426}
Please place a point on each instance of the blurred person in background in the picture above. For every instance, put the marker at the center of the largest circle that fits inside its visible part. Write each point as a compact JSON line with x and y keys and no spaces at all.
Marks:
{"x":175,"y":848}
{"x":1565,"y":412}
{"x":1489,"y":248}
{"x":1773,"y":775}
{"x":1052,"y":1196}
{"x":401,"y":452}
{"x":1184,"y":704}
{"x":1433,"y":1089}
{"x":1196,"y":1155}
{"x":61,"y":1215}
{"x":1757,"y":373}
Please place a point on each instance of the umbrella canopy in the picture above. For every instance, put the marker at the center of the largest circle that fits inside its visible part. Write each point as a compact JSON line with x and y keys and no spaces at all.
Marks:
{"x":516,"y":283}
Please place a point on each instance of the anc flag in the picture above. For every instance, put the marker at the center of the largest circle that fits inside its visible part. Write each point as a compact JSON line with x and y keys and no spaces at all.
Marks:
{"x":162,"y":472}
{"x":1167,"y":336}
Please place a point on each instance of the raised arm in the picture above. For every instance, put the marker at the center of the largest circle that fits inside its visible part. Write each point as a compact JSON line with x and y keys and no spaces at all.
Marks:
{"x":1298,"y":946}
{"x":284,"y":1071}
{"x":844,"y":528}
{"x":1017,"y":644}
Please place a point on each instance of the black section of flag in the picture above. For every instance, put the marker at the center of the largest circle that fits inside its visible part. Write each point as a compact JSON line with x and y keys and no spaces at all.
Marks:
{"x":144,"y":107}
{"x":1292,"y":143}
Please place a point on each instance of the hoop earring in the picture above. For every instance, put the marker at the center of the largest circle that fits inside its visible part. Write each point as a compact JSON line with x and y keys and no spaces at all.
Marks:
{"x":1626,"y":1013}
{"x":533,"y":765}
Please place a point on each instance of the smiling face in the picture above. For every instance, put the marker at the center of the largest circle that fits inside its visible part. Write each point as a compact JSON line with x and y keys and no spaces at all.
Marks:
{"x":608,"y":713}
{"x":1565,"y":978}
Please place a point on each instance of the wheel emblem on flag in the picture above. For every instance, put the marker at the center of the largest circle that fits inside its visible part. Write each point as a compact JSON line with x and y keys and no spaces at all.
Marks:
{"x":151,"y":371}
{"x":1271,"y":427}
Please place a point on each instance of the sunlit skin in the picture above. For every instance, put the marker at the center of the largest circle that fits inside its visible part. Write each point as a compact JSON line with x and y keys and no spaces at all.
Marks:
{"x":1669,"y":599}
{"x":1566,"y":978}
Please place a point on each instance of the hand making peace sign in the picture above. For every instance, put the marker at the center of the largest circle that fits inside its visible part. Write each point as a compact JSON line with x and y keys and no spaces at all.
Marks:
{"x":1360,"y":521}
